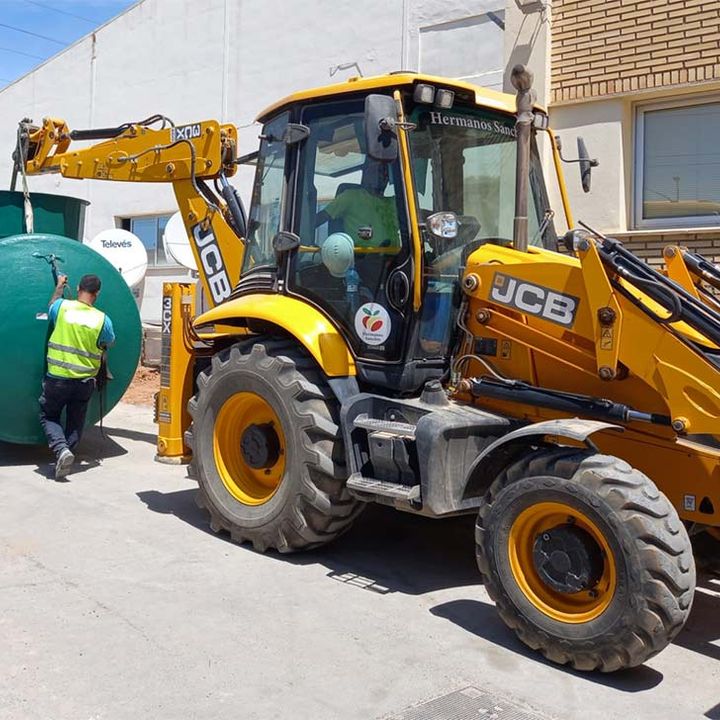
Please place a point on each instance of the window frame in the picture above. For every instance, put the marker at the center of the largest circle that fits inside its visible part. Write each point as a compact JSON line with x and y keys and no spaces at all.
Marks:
{"x":669,"y":223}
{"x":126,"y":222}
{"x":285,"y":208}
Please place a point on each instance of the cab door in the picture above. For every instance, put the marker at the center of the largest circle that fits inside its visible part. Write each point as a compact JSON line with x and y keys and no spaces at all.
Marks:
{"x":354,"y":260}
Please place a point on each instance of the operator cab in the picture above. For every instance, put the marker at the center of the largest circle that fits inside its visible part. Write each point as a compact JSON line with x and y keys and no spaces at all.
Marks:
{"x":347,"y":196}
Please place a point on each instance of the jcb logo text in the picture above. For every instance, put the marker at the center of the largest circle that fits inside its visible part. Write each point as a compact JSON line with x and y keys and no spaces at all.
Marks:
{"x":212,"y":262}
{"x":534,"y":299}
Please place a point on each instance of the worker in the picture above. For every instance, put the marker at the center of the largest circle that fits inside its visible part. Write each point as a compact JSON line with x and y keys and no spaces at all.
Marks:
{"x":368,"y":216}
{"x":79,"y":335}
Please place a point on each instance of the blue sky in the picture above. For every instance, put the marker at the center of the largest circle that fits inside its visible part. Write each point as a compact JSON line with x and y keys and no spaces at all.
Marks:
{"x":61,"y":22}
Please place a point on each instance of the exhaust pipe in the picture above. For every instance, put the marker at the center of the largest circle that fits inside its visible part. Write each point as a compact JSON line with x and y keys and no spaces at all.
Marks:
{"x":522,"y":80}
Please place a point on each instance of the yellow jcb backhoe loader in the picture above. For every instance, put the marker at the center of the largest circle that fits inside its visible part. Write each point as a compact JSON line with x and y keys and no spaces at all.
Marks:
{"x":393,"y":322}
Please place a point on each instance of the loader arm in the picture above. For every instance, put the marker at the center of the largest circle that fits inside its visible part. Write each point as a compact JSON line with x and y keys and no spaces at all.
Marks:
{"x":608,"y":326}
{"x":695,"y":273}
{"x":185,"y":156}
{"x":604,"y":336}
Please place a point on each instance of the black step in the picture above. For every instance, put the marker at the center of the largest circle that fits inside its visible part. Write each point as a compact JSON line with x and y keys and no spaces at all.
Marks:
{"x":398,"y":429}
{"x":371,"y":486}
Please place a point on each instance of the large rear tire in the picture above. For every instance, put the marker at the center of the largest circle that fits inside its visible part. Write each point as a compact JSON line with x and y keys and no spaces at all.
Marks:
{"x":585,"y":559}
{"x":267,"y":451}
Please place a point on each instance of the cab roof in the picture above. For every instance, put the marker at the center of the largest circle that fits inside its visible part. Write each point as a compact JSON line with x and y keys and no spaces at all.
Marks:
{"x":484,"y":97}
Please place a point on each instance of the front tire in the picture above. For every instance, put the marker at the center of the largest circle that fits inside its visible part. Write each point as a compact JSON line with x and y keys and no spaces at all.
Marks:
{"x":585,"y":559}
{"x":267,"y":452}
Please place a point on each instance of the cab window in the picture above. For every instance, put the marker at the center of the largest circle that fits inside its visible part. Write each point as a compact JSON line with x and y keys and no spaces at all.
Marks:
{"x":353,"y":229}
{"x":268,"y":199}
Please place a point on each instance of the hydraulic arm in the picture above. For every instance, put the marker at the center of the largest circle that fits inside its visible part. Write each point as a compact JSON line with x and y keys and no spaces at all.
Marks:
{"x":186,"y":156}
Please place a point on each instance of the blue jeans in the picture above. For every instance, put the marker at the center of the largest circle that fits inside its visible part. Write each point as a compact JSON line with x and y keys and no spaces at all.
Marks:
{"x":72,"y":396}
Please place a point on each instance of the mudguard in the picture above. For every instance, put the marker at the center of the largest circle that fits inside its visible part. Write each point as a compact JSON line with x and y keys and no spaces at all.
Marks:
{"x":311,"y":328}
{"x":505,"y":449}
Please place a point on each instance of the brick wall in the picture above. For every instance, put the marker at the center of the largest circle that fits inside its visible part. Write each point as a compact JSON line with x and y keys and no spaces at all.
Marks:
{"x":649,"y":245}
{"x":606,"y":47}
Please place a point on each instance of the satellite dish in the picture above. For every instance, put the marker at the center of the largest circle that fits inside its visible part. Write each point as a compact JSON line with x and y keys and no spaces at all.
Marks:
{"x":177,"y":243}
{"x":124,"y":251}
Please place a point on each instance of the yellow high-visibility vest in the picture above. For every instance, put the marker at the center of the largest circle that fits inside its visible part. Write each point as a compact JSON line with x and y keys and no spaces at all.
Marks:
{"x":72,"y":348}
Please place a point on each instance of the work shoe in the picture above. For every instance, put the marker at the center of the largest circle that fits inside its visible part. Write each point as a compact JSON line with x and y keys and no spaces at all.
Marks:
{"x":64,"y":463}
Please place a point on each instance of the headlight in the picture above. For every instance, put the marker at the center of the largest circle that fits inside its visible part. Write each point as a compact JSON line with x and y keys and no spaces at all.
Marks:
{"x":443,"y":225}
{"x":444,"y":99}
{"x":424,"y":94}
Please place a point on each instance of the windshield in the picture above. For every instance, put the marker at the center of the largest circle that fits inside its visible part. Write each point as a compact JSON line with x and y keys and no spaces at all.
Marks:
{"x":464,"y":162}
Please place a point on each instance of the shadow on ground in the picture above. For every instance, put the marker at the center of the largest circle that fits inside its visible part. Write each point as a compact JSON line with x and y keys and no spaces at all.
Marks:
{"x":388,"y":551}
{"x":93,"y":449}
{"x":700,"y":634}
{"x":481,"y":619}
{"x":385,"y":551}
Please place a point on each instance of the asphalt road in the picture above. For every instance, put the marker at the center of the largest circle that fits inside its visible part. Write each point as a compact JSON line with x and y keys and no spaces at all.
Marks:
{"x":116,"y":601}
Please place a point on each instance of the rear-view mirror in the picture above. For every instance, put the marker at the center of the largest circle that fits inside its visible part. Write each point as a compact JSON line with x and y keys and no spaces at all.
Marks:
{"x":381,"y":128}
{"x":586,"y":165}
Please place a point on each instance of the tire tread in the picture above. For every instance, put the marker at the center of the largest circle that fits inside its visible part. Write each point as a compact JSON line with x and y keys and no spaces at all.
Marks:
{"x":658,"y":535}
{"x":322,"y":508}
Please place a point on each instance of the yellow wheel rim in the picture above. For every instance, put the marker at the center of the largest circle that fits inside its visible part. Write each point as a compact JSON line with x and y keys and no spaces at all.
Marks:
{"x":577,"y":607}
{"x":239,"y":471}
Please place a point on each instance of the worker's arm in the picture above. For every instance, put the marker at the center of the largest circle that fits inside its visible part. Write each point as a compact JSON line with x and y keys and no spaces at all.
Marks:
{"x":106,"y":338}
{"x":59,"y":289}
{"x":53,"y":313}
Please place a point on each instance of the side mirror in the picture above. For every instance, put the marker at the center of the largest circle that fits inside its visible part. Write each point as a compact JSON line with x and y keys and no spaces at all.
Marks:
{"x":380,"y":122}
{"x":584,"y":160}
{"x":586,"y":165}
{"x":295,"y":133}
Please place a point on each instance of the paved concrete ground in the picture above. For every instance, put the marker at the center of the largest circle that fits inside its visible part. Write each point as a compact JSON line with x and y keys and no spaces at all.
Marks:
{"x":117,"y":602}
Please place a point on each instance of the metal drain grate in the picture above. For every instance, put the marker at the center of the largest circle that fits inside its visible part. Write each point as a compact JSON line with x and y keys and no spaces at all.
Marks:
{"x":466,"y":704}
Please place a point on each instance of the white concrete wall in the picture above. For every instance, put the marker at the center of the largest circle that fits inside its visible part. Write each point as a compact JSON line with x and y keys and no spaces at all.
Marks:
{"x":527,"y":42}
{"x":604,"y":126}
{"x":456,"y":39}
{"x":228,"y":59}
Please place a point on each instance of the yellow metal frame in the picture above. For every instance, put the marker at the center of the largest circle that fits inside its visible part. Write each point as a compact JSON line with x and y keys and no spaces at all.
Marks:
{"x":296,"y":317}
{"x":557,"y":161}
{"x":678,"y":271}
{"x":176,"y":372}
{"x":138,"y":154}
{"x":484,"y":97}
{"x":653,"y":369}
{"x":411,"y":204}
{"x":167,"y":155}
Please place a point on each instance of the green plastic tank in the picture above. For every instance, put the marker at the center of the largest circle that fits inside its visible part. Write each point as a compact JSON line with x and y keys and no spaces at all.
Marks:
{"x":53,"y":214}
{"x":26,"y":285}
